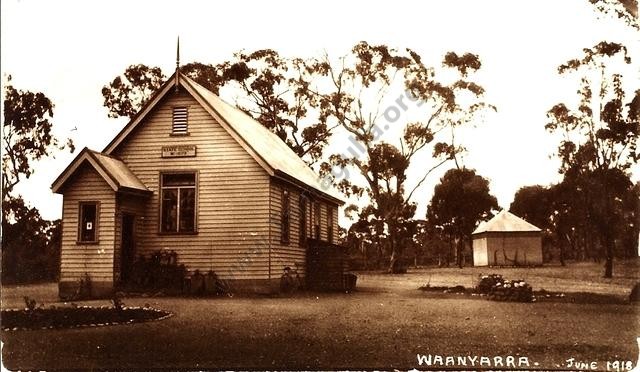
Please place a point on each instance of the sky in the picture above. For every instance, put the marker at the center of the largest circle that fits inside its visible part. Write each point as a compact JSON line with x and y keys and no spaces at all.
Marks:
{"x":70,"y":49}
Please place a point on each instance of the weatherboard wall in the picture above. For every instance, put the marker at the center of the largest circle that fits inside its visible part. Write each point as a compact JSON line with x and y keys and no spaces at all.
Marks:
{"x":232,"y":192}
{"x":293,"y":253}
{"x":94,"y":259}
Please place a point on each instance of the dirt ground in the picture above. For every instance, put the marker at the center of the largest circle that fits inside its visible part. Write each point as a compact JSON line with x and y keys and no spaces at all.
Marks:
{"x":576,"y":277}
{"x":385,"y":324}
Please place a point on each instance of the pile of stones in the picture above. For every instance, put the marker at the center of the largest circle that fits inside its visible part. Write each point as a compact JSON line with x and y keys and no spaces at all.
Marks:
{"x":487,"y":282}
{"x":499,"y":289}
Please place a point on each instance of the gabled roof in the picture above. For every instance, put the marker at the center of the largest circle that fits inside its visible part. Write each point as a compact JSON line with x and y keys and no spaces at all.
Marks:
{"x":263,"y":145}
{"x":112,"y":170}
{"x":506,"y":222}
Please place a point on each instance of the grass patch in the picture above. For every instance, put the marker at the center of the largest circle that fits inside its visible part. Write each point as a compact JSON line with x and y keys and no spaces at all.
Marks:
{"x":538,"y":295}
{"x":73,"y":317}
{"x":575,"y":277}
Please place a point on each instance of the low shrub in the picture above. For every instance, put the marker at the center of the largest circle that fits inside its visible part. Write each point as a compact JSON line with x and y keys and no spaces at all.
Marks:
{"x":456,"y":289}
{"x":29,"y":303}
{"x":160,"y":271}
{"x":443,"y":289}
{"x":199,"y":284}
{"x":84,"y":288}
{"x":117,"y":302}
{"x":290,"y":280}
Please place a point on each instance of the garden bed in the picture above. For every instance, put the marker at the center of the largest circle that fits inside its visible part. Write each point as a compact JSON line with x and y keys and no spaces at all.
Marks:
{"x":538,"y":296}
{"x":77,"y":317}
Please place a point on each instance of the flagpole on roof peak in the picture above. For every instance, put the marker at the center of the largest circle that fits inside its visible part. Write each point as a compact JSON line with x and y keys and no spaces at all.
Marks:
{"x":177,"y":62}
{"x":178,"y":54}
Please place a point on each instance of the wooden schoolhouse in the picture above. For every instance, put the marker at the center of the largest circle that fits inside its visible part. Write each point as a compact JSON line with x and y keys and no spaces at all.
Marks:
{"x":193,"y":174}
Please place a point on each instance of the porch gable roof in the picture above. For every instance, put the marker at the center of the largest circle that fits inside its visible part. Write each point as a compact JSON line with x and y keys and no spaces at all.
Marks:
{"x":114,"y":172}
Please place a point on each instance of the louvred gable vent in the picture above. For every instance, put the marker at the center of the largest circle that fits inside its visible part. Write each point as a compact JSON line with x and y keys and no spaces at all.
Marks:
{"x":180,"y":120}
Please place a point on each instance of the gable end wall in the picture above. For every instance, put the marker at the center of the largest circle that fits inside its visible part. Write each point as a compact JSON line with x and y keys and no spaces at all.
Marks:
{"x":233,"y":193}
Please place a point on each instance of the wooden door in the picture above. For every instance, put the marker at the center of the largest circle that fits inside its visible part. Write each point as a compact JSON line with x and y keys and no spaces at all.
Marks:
{"x":127,"y":247}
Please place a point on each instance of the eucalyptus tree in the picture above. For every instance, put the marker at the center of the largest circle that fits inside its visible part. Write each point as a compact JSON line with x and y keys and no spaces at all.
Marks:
{"x":599,"y":138}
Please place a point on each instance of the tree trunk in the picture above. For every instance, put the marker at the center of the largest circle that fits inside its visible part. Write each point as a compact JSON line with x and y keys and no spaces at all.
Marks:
{"x":394,"y":263}
{"x":459,"y":249}
{"x":451,"y":248}
{"x":608,"y":264}
{"x":395,"y":256}
{"x":363,"y":249}
{"x":608,"y":267}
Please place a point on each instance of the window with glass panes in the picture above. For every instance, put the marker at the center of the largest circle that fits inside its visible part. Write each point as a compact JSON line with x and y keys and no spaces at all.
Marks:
{"x":178,"y":202}
{"x":88,"y":222}
{"x":303,"y":218}
{"x":329,"y":224}
{"x":316,"y":220}
{"x":286,"y":217}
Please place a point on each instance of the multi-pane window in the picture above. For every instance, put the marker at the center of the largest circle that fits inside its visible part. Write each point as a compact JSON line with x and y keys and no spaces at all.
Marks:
{"x":286,"y":216}
{"x":180,"y":125}
{"x":316,"y":220}
{"x":178,"y":203}
{"x":303,"y":219}
{"x":88,"y":222}
{"x":329,"y":224}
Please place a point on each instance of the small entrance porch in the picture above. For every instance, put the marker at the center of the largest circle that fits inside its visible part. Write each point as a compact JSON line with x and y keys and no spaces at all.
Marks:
{"x":130,"y":212}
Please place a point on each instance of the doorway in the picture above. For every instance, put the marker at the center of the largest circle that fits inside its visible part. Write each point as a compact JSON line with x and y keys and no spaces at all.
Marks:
{"x":127,"y":248}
